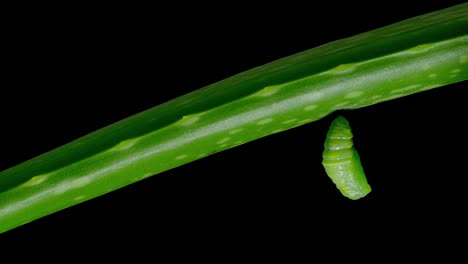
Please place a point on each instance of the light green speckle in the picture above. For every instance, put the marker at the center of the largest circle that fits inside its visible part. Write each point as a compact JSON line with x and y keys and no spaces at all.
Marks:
{"x":394,"y":97}
{"x":80,"y":182}
{"x":343,"y":68}
{"x":289,"y":121}
{"x":79,"y":198}
{"x":36,"y":180}
{"x":264,"y":121}
{"x":234,"y":131}
{"x":126,"y":144}
{"x":421,"y":47}
{"x":74,"y":184}
{"x":277,"y":130}
{"x":432,"y":86}
{"x":188,"y":120}
{"x":341,"y":105}
{"x":354,"y":94}
{"x":455,"y":71}
{"x":183,"y":156}
{"x":432,"y":75}
{"x":148,"y":174}
{"x":303,"y":121}
{"x":406,"y":88}
{"x":222,"y":141}
{"x":310,"y":107}
{"x":239,"y":142}
{"x":135,"y":179}
{"x":453,"y":75}
{"x":267,"y":91}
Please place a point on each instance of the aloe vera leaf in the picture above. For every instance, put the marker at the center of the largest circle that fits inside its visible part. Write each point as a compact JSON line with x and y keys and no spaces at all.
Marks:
{"x":236,"y":98}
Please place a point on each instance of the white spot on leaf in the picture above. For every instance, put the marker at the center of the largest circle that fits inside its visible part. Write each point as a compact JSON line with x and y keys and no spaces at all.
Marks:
{"x":79,"y":198}
{"x":80,"y":182}
{"x":264,"y":121}
{"x":421,"y":47}
{"x":222,"y":141}
{"x":277,"y":130}
{"x":354,"y":94}
{"x":267,"y":91}
{"x":234,"y":131}
{"x":183,"y":156}
{"x":73,"y":184}
{"x":342,"y":105}
{"x":289,"y":121}
{"x":406,"y":88}
{"x":148,"y":174}
{"x":343,"y":68}
{"x":125,"y":144}
{"x":239,"y":142}
{"x":303,"y":121}
{"x":310,"y":107}
{"x":36,"y":180}
{"x":432,"y":86}
{"x":188,"y":120}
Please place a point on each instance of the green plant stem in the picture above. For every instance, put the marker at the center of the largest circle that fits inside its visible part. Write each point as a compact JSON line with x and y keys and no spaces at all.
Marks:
{"x":415,"y":55}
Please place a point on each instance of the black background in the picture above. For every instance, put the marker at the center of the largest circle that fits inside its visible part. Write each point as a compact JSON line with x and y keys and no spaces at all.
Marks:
{"x":70,"y":72}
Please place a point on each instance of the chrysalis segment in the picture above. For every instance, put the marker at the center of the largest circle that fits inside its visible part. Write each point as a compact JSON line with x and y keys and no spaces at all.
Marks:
{"x":341,"y":161}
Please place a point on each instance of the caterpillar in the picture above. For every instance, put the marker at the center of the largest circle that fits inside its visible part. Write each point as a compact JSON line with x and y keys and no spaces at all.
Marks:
{"x":341,"y":161}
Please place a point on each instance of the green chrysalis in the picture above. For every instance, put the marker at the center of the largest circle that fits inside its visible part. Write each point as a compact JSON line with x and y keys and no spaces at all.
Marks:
{"x":341,"y":161}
